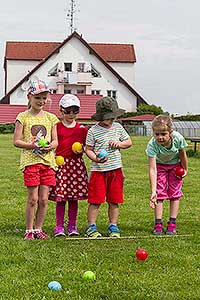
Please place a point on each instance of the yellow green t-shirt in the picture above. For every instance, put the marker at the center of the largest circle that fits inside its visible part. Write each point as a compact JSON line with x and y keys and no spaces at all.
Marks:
{"x":34,"y":129}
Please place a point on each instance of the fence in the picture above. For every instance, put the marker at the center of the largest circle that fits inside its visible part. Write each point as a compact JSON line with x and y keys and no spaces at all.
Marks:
{"x":188,"y":129}
{"x":136,"y":129}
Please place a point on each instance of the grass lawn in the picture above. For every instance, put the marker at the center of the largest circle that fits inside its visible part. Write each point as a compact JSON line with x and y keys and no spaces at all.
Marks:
{"x":172,"y":270}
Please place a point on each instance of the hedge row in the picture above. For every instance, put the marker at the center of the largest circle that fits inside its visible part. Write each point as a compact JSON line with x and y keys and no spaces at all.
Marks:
{"x":7,"y":128}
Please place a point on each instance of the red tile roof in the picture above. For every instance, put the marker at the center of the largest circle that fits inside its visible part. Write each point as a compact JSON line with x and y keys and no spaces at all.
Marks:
{"x":9,"y":112}
{"x":29,"y":50}
{"x":115,"y":52}
{"x":39,"y":50}
{"x":147,"y":117}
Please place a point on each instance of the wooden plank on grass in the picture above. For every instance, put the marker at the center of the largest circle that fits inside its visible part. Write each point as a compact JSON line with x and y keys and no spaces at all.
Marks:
{"x":103,"y":238}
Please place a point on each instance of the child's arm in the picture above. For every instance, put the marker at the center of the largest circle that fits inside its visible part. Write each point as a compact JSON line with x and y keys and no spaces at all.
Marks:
{"x":184,"y":160}
{"x":89,"y":150}
{"x":153,"y":181}
{"x":17,"y":139}
{"x":120,"y":145}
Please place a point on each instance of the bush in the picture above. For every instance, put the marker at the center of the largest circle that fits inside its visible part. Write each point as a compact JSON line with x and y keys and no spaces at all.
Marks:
{"x":7,"y":128}
{"x":191,"y":153}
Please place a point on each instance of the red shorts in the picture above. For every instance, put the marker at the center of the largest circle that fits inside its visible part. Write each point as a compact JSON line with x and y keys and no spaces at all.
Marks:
{"x":39,"y":174}
{"x":106,"y":186}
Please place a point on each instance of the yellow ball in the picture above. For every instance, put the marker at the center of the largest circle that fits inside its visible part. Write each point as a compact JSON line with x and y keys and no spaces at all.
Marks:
{"x":60,"y":160}
{"x":76,"y":147}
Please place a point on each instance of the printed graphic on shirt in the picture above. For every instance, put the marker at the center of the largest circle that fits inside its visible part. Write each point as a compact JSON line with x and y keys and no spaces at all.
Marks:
{"x":38,"y":134}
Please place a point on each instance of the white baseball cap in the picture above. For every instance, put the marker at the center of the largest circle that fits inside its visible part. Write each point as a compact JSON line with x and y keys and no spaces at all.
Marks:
{"x":69,"y":100}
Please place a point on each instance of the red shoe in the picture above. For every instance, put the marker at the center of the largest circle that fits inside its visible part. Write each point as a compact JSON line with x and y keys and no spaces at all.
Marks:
{"x":171,"y":228}
{"x":29,"y":235}
{"x":40,"y":235}
{"x":158,"y":229}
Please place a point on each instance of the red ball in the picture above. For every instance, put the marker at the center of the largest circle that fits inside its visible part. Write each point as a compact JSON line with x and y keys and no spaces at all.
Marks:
{"x":179,"y":171}
{"x":141,"y":254}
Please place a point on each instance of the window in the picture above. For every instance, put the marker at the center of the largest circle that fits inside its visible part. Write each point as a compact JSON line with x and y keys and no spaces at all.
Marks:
{"x":96,"y":92}
{"x":81,"y":67}
{"x":68,"y":67}
{"x":94,"y":72}
{"x":67,"y":91}
{"x":112,"y":93}
{"x":53,"y":71}
{"x":80,"y":91}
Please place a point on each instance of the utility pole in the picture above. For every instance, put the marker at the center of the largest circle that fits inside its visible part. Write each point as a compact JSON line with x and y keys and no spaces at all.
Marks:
{"x":71,"y":15}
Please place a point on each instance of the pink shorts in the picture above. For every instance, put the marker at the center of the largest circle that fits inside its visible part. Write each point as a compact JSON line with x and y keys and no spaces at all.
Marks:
{"x":106,"y":186}
{"x":168,"y":184}
{"x":39,"y":174}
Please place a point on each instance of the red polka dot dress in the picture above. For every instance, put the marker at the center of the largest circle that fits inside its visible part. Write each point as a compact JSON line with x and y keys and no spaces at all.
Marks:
{"x":71,"y":178}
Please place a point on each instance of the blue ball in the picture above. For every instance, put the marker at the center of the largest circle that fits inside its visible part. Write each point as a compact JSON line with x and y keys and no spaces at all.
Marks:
{"x":103,"y":153}
{"x":54,"y":286}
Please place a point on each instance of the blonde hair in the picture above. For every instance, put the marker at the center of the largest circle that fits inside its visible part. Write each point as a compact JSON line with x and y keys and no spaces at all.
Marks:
{"x":162,"y":122}
{"x":29,"y":101}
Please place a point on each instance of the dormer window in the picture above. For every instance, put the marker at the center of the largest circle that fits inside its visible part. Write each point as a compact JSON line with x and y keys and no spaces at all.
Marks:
{"x":53,"y":71}
{"x":94,"y":72}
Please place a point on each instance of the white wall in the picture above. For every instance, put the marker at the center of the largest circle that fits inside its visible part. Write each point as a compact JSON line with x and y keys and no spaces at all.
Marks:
{"x":16,"y":70}
{"x":74,"y":51}
{"x":126,"y":70}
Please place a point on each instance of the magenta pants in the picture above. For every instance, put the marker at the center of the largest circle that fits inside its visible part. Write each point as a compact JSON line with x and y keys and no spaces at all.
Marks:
{"x":168,"y":184}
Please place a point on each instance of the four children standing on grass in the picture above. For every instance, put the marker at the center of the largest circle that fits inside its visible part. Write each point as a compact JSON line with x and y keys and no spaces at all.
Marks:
{"x":41,"y":135}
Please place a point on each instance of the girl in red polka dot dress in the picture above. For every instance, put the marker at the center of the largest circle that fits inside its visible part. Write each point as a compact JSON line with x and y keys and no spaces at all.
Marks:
{"x":71,"y":177}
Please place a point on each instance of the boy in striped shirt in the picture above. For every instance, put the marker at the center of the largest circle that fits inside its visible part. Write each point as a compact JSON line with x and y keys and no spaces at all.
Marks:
{"x":106,"y":178}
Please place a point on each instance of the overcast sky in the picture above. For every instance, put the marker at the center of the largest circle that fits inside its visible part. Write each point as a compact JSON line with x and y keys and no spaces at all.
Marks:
{"x":165,"y":34}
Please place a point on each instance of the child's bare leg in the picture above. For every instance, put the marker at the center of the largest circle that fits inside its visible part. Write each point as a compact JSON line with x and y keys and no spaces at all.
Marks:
{"x":42,"y":206}
{"x":30,"y":206}
{"x":93,"y":210}
{"x":158,"y":210}
{"x":174,"y":208}
{"x":113,"y":212}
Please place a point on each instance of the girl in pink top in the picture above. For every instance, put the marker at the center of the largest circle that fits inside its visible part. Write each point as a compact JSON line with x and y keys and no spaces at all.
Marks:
{"x":71,"y":177}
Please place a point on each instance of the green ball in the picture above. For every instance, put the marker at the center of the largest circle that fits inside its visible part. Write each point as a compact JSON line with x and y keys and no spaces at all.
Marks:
{"x":42,"y":143}
{"x":89,"y":275}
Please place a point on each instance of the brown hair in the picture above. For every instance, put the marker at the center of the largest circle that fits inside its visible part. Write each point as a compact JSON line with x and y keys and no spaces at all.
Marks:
{"x":162,"y":122}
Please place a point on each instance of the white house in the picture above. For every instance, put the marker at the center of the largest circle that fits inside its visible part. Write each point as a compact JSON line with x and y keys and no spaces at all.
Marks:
{"x":73,"y":66}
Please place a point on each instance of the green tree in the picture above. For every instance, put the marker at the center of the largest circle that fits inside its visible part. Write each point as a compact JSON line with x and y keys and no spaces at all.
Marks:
{"x":149,"y":109}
